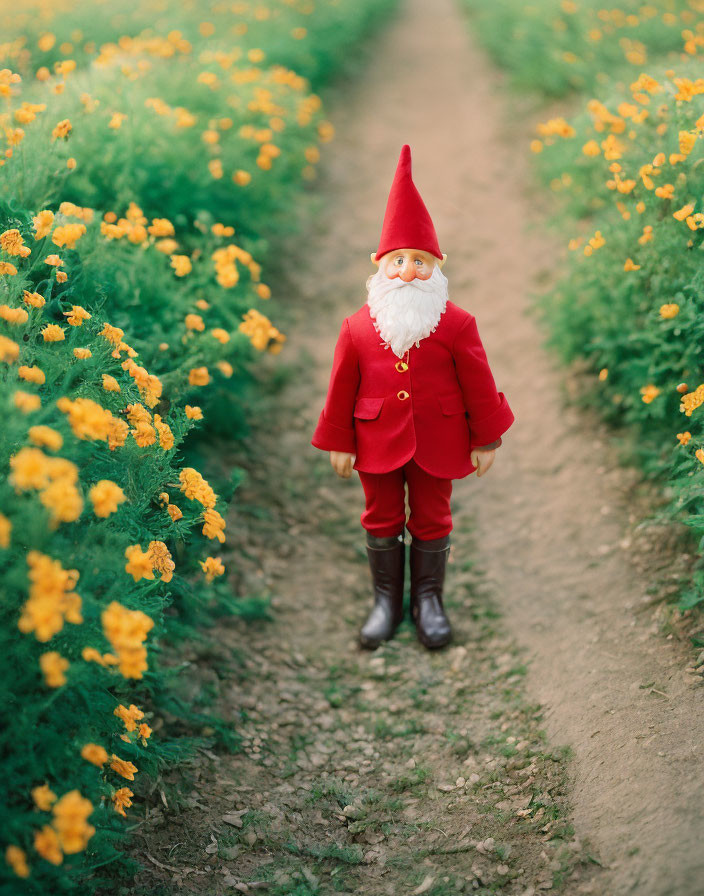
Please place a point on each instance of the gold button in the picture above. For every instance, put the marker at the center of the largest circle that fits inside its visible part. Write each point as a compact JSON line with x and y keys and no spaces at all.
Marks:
{"x":403,"y":395}
{"x":401,"y":366}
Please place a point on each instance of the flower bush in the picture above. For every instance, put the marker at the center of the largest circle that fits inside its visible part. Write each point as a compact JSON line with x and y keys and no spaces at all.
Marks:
{"x":627,"y":176}
{"x":146,"y":179}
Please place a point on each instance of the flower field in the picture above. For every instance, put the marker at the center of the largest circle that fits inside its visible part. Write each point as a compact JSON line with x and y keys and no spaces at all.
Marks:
{"x":149,"y":165}
{"x":626,"y":171}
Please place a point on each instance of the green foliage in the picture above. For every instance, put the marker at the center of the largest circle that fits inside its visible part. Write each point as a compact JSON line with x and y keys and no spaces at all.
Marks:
{"x":556,"y":47}
{"x":139,"y":182}
{"x":628,"y":178}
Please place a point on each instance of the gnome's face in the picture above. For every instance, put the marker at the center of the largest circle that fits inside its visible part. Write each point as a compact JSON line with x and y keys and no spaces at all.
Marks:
{"x":407,"y":297}
{"x":408,"y":264}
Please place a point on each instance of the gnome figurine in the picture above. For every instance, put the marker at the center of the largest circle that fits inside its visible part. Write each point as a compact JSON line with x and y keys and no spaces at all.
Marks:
{"x":411,"y":402}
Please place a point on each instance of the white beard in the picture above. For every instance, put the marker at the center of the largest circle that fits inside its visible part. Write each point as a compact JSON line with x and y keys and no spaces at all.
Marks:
{"x":405,"y":313}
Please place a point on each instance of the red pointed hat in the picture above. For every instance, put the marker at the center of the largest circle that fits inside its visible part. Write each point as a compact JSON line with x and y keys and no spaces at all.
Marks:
{"x":407,"y":222}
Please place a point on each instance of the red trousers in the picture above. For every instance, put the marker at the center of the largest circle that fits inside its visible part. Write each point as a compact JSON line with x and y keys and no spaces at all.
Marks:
{"x":428,"y":500}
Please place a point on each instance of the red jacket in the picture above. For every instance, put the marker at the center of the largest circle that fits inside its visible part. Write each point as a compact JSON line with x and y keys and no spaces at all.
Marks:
{"x":438,"y":409}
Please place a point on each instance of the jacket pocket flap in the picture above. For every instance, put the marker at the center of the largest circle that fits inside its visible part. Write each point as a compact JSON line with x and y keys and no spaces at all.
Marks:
{"x":451,"y":404}
{"x":368,"y":408}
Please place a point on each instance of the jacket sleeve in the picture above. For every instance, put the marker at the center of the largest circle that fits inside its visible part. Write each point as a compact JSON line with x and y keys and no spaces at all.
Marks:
{"x":335,"y":429}
{"x":489,"y":412}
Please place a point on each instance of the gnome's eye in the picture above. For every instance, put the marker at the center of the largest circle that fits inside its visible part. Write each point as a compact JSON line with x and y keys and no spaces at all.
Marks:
{"x":419,"y":261}
{"x":399,"y":259}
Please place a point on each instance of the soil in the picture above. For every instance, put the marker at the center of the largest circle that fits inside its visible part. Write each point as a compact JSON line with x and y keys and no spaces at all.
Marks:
{"x":557,"y":743}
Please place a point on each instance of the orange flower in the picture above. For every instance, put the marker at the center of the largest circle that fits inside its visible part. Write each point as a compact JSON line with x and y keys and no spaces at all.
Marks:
{"x":110,"y":384}
{"x":43,"y":797}
{"x":26,"y":402}
{"x":139,"y":564}
{"x":130,"y":716}
{"x":32,"y":374}
{"x":193,"y":412}
{"x":122,"y":799}
{"x":123,"y":767}
{"x":77,"y":314}
{"x":46,"y":843}
{"x":106,"y":496}
{"x":195,"y":322}
{"x":5,"y":530}
{"x":16,"y":858}
{"x":95,"y":754}
{"x":53,"y":666}
{"x":53,"y":333}
{"x":83,"y":353}
{"x":45,"y":437}
{"x":199,"y":376}
{"x":212,"y":567}
{"x":9,"y":350}
{"x":71,"y":814}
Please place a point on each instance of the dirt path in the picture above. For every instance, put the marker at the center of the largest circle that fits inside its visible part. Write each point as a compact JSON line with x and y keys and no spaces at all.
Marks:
{"x":403,"y":771}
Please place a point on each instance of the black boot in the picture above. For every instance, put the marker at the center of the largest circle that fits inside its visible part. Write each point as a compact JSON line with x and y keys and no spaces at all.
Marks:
{"x":428,"y":559}
{"x":386,"y":561}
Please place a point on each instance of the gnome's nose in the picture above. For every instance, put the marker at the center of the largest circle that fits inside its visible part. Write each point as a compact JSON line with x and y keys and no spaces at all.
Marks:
{"x":407,"y":273}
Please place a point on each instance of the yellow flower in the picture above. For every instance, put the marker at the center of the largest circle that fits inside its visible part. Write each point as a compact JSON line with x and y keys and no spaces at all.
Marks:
{"x":7,"y":268}
{"x":121,"y":800}
{"x":31,"y":374}
{"x":139,"y":564}
{"x":126,"y":631}
{"x":54,"y":260}
{"x":649,"y":392}
{"x":181,"y":265}
{"x":225,"y":368}
{"x":106,"y":496}
{"x":71,"y":814}
{"x":214,"y":525}
{"x":83,"y":353}
{"x":630,"y":265}
{"x":241,"y":178}
{"x":110,"y":384}
{"x":161,"y":560}
{"x":34,"y":299}
{"x":112,"y":334}
{"x":193,"y":412}
{"x":45,"y":437}
{"x":11,"y":241}
{"x":195,"y":322}
{"x":16,"y":858}
{"x":212,"y":567}
{"x":53,"y":666}
{"x":94,"y":753}
{"x":123,"y":767}
{"x":199,"y":376}
{"x":686,"y":141}
{"x":221,"y":335}
{"x":5,"y":530}
{"x":76,"y":316}
{"x":46,"y":843}
{"x":9,"y":350}
{"x":699,"y":454}
{"x":669,"y":310}
{"x":14,"y":316}
{"x":174,"y":512}
{"x":53,"y":333}
{"x":42,"y":224}
{"x":603,"y":373}
{"x":684,"y":437}
{"x":682,"y":213}
{"x":26,"y":402}
{"x":62,"y":129}
{"x":130,"y":716}
{"x":43,"y":797}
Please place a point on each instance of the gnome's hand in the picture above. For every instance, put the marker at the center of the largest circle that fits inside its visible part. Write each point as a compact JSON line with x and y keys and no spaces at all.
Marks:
{"x":342,"y":463}
{"x":482,"y":459}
